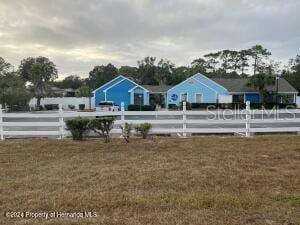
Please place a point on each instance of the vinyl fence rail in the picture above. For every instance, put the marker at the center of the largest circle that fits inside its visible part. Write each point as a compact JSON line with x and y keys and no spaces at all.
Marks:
{"x":181,"y":123}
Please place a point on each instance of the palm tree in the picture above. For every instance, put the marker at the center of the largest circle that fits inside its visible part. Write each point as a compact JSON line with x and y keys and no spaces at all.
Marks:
{"x":260,"y":82}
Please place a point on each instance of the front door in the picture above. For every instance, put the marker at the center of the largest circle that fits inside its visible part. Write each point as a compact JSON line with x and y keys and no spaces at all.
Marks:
{"x":138,"y":99}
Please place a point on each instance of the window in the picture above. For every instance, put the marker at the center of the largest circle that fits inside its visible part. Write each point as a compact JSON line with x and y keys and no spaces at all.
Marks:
{"x":184,"y":97}
{"x":238,"y":98}
{"x":198,"y":98}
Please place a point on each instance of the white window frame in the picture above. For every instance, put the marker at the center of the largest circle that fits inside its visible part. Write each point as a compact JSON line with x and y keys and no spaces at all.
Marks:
{"x":187,"y":96}
{"x":195,"y":97}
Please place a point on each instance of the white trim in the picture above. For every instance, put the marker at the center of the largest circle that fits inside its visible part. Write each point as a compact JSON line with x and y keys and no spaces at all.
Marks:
{"x":211,"y":81}
{"x":195,"y":97}
{"x":249,"y":92}
{"x":108,"y":83}
{"x":139,"y":87}
{"x":192,"y":77}
{"x":146,"y":90}
{"x":113,"y":85}
{"x":237,"y":93}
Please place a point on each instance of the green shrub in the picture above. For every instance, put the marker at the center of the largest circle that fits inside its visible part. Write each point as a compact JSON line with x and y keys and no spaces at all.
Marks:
{"x":102,"y":126}
{"x":126,"y":131}
{"x":141,"y":107}
{"x":71,"y":107}
{"x":77,"y":126}
{"x":51,"y":106}
{"x":187,"y":104}
{"x":81,"y":106}
{"x":143,"y":129}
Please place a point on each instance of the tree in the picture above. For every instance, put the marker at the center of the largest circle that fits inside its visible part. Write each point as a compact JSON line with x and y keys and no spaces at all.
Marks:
{"x":130,"y":72}
{"x":199,"y":65}
{"x":212,"y":60}
{"x":83,"y":91}
{"x":5,"y":67}
{"x":227,"y":57}
{"x":292,"y":73}
{"x":13,"y":90}
{"x":258,"y":53}
{"x":101,"y":75}
{"x":39,"y":72}
{"x":165,"y":69}
{"x":243,"y":60}
{"x":260,"y":82}
{"x":271,"y":67}
{"x":72,"y":81}
{"x":179,"y":75}
{"x":147,"y":70}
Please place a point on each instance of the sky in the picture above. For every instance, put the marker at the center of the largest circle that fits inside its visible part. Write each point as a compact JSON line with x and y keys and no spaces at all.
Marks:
{"x":79,"y":34}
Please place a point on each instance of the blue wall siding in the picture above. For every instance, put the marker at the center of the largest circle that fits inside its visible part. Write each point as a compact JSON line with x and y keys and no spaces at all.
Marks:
{"x":191,"y":87}
{"x":119,"y":93}
{"x":203,"y":79}
{"x":100,"y":95}
{"x":253,"y":98}
{"x":110,"y":83}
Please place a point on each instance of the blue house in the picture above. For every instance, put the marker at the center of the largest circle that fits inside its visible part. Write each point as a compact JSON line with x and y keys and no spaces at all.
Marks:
{"x":197,"y":89}
{"x":121,"y":89}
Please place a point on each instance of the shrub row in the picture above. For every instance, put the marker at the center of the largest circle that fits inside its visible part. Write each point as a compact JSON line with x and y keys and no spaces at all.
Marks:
{"x":103,"y":126}
{"x":231,"y":106}
{"x":141,"y":107}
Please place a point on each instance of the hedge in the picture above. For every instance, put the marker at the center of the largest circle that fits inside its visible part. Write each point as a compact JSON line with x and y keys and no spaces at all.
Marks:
{"x":212,"y":106}
{"x":141,"y":107}
{"x":51,"y":106}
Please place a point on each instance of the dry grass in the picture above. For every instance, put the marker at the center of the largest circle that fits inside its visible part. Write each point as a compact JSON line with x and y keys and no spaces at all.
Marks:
{"x":203,"y":180}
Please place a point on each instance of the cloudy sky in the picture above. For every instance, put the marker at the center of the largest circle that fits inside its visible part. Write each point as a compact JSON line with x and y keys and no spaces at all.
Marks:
{"x":79,"y":34}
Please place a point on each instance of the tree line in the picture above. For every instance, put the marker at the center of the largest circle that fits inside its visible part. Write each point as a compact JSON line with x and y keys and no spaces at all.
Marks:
{"x":35,"y":77}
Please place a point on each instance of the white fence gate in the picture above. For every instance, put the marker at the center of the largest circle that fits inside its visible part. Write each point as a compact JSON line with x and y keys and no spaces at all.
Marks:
{"x":181,"y":123}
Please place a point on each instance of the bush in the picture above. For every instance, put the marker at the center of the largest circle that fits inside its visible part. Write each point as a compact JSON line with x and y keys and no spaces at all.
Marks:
{"x":239,"y":105}
{"x":71,"y":107}
{"x":77,"y":127}
{"x":81,"y":106}
{"x":126,"y":131}
{"x":173,"y":106}
{"x":141,"y":107}
{"x":143,"y":129}
{"x":102,"y":126}
{"x":51,"y":106}
{"x":187,"y":104}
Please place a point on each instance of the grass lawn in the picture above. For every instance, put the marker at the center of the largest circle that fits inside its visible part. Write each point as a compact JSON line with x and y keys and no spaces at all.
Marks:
{"x":201,"y":180}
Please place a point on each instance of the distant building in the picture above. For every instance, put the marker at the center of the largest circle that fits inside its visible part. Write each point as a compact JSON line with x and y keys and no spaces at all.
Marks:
{"x":196,"y":89}
{"x":121,"y":89}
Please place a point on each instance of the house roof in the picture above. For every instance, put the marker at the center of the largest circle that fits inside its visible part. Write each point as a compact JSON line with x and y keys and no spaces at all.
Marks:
{"x":240,"y":85}
{"x":157,"y":88}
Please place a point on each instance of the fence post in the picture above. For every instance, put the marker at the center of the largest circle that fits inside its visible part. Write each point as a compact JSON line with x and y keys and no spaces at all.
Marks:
{"x":184,"y":118}
{"x":122,"y":114}
{"x":61,"y":122}
{"x":1,"y":124}
{"x":248,"y":118}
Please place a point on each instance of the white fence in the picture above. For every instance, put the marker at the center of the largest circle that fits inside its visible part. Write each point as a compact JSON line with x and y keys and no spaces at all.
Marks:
{"x":181,"y":123}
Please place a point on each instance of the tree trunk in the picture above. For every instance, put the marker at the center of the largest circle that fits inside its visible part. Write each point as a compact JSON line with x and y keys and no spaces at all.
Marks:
{"x":38,"y":102}
{"x":255,"y":66}
{"x":261,"y":97}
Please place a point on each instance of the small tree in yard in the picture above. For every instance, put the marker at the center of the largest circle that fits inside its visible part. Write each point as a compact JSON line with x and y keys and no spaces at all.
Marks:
{"x":126,"y":131}
{"x":77,"y":127}
{"x":143,"y":129}
{"x":102,"y":126}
